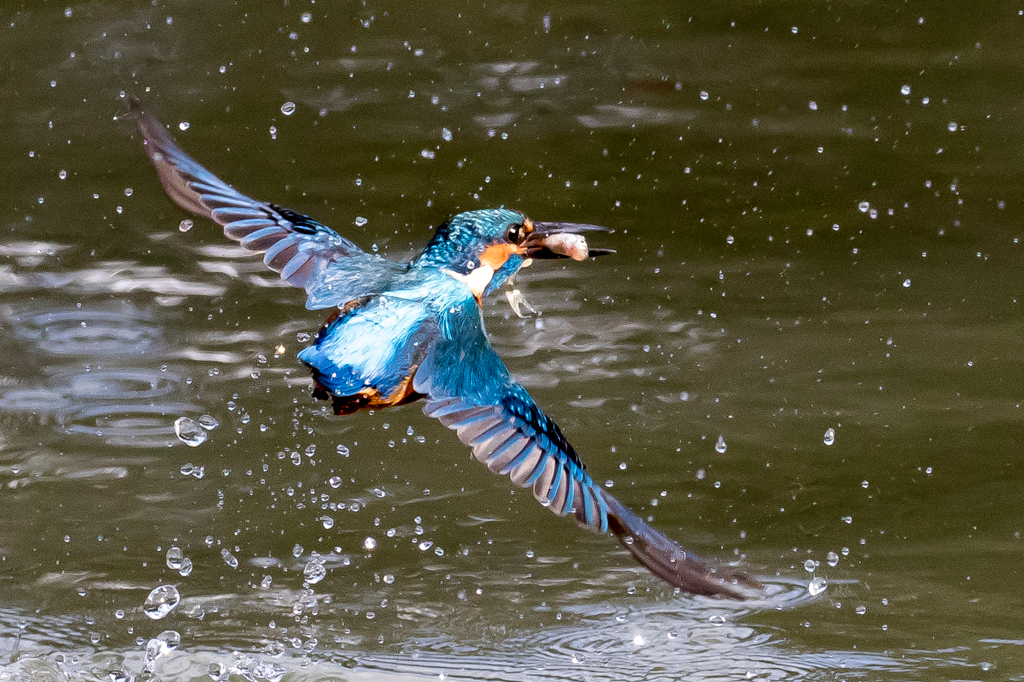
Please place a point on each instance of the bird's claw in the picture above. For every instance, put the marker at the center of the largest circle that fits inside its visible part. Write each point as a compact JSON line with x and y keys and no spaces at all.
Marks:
{"x":517,"y":301}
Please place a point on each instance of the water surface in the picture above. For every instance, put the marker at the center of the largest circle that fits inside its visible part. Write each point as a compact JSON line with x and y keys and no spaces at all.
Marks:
{"x":817,"y":216}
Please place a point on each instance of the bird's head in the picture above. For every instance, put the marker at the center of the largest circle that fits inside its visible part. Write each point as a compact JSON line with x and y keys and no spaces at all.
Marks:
{"x":485,"y":248}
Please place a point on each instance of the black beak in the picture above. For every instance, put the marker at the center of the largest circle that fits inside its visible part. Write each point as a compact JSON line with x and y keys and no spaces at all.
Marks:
{"x":562,"y":240}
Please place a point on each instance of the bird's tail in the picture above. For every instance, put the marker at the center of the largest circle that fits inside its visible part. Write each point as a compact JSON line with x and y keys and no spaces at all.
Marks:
{"x":666,"y":559}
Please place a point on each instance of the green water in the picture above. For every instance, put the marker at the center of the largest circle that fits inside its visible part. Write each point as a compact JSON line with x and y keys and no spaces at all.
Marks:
{"x":817,"y":215}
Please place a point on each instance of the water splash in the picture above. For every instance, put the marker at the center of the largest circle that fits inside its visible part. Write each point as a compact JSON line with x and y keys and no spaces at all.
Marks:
{"x":190,"y":432}
{"x":161,"y":601}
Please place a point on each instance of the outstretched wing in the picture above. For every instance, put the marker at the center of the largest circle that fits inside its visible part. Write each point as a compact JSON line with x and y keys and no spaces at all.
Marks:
{"x":306,"y":253}
{"x":469,"y":389}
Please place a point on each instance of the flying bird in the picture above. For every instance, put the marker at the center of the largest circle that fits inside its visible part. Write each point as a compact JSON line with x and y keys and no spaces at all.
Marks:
{"x":405,"y":332}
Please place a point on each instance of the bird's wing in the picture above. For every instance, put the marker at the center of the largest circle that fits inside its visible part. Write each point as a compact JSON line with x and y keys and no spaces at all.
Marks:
{"x":306,"y":253}
{"x":469,"y":389}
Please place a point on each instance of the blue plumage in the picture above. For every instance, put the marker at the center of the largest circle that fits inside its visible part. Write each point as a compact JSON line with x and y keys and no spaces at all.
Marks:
{"x":406,"y":332}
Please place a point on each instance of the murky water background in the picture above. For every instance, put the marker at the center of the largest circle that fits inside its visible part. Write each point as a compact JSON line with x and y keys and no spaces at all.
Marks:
{"x":818,"y":221}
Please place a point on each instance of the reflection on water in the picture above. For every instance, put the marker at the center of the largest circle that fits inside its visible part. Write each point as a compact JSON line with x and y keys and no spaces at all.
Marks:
{"x":817,"y":224}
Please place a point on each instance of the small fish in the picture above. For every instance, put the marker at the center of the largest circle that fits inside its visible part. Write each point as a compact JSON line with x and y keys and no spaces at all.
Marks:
{"x":566,"y":244}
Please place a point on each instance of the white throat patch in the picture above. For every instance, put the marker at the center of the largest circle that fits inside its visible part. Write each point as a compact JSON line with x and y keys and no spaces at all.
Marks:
{"x":477,"y":280}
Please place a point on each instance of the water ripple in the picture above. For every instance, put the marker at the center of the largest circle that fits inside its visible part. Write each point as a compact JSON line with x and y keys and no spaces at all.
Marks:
{"x":109,"y":278}
{"x":619,"y":116}
{"x":119,"y":384}
{"x":124,"y":330}
{"x":147,"y":426}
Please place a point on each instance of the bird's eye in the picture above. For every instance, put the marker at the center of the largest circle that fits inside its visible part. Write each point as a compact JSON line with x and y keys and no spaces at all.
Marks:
{"x":515,"y":233}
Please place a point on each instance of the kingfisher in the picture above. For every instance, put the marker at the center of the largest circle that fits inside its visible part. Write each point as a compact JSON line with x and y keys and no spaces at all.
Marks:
{"x":405,"y":332}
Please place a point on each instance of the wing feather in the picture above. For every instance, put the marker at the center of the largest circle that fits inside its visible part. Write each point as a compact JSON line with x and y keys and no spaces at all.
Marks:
{"x":306,"y":253}
{"x":469,"y":389}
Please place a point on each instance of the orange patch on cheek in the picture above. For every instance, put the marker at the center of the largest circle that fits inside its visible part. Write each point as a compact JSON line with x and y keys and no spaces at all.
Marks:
{"x":495,"y":256}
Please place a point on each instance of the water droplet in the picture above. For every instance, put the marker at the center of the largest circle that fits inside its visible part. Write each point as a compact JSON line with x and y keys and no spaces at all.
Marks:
{"x":369,"y":544}
{"x":314,"y":571}
{"x":906,"y":283}
{"x":830,"y":436}
{"x":425,"y":545}
{"x":288,"y":108}
{"x":183,"y":126}
{"x":427,"y":153}
{"x":446,"y":135}
{"x":816,"y":586}
{"x":302,"y":337}
{"x":229,"y":558}
{"x":861,"y":610}
{"x":833,"y":559}
{"x":343,"y":450}
{"x":360,"y":221}
{"x":297,"y":551}
{"x":161,"y":601}
{"x":847,"y":519}
{"x":720,"y":446}
{"x":208,"y":422}
{"x":170,"y":639}
{"x":812,"y":105}
{"x":306,"y":17}
{"x":159,"y":646}
{"x":335,"y":481}
{"x":810,"y":565}
{"x":186,"y":567}
{"x":62,"y":175}
{"x":327,"y":522}
{"x":638,"y":640}
{"x":905,"y":90}
{"x":189,"y":432}
{"x":863,"y":206}
{"x":704,"y":95}
{"x":730,"y":239}
{"x":185,"y":225}
{"x":951,"y":126}
{"x":266,"y":582}
{"x":174,"y":557}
